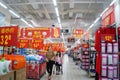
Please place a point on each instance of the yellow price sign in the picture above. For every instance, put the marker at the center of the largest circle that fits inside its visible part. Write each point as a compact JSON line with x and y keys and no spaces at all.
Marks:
{"x":4,"y":39}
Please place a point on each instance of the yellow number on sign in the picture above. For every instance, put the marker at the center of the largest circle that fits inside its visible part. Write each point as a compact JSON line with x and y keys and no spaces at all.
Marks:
{"x":6,"y":39}
{"x":2,"y":38}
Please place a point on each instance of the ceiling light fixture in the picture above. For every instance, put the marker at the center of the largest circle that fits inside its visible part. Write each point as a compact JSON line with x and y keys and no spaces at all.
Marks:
{"x":14,"y":13}
{"x":57,"y":12}
{"x":54,"y":2}
{"x":4,"y":6}
{"x":33,"y":23}
{"x":26,"y":22}
{"x":58,"y":20}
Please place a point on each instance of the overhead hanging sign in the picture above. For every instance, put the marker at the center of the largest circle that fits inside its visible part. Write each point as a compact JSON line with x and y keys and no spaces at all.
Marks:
{"x":108,"y":18}
{"x":36,"y":44}
{"x":37,"y":32}
{"x":77,"y":33}
{"x":23,"y":43}
{"x":8,"y":36}
{"x":55,"y":32}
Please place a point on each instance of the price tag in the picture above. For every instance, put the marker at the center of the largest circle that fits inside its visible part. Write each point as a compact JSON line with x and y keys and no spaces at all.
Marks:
{"x":8,"y":36}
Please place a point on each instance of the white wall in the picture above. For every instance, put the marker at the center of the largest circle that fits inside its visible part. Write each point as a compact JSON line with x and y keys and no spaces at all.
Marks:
{"x":7,"y":14}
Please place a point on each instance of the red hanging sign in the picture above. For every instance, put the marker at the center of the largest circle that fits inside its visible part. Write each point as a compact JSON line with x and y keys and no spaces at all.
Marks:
{"x":37,"y":44}
{"x":108,"y":37}
{"x":37,"y":33}
{"x":55,"y":33}
{"x":78,"y":33}
{"x":8,"y":36}
{"x":108,"y":18}
{"x":23,"y":43}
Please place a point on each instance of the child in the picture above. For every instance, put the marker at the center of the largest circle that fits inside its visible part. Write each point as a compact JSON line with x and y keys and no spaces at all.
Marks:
{"x":58,"y":60}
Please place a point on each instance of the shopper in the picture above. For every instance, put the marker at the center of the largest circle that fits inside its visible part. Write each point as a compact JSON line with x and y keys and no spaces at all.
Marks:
{"x":50,"y":56}
{"x":58,"y":60}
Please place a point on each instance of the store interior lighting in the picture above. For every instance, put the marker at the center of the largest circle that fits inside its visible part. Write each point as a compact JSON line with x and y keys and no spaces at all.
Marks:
{"x":14,"y":13}
{"x":58,"y":17}
{"x":3,"y":5}
{"x":97,"y":19}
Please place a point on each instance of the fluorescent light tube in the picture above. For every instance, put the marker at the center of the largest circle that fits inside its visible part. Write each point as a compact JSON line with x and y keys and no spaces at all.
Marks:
{"x":24,"y":21}
{"x":58,"y":20}
{"x":4,"y":6}
{"x":57,"y":12}
{"x":54,"y":2}
{"x":14,"y":13}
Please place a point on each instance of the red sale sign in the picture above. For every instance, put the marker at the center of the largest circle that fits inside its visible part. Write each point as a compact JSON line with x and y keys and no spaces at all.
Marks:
{"x":108,"y":18}
{"x":37,"y":33}
{"x":8,"y":36}
{"x":37,"y":43}
{"x":23,"y":43}
{"x":55,"y":32}
{"x":108,"y":37}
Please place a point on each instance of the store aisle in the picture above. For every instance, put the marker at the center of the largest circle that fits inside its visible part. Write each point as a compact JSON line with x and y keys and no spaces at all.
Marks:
{"x":70,"y":72}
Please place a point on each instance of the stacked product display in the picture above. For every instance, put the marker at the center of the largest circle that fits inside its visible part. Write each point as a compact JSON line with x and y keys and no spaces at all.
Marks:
{"x":92,"y":70}
{"x":36,"y":66}
{"x":109,"y":68}
{"x":85,"y":56}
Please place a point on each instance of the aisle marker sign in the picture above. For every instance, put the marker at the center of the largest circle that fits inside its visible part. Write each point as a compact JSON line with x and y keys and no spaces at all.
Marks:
{"x":108,"y":18}
{"x":8,"y":36}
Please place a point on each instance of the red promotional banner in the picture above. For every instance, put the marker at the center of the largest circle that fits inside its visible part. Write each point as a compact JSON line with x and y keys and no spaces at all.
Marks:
{"x":37,"y":33}
{"x":23,"y":43}
{"x":8,"y":36}
{"x":108,"y":18}
{"x":55,"y":33}
{"x":37,"y":44}
{"x":108,"y":37}
{"x":77,"y":33}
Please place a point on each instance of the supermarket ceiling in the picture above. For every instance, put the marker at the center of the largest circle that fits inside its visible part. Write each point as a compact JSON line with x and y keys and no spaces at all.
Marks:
{"x":73,"y":13}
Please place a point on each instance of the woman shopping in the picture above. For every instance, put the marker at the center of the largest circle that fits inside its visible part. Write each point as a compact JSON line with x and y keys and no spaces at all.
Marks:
{"x":50,"y":61}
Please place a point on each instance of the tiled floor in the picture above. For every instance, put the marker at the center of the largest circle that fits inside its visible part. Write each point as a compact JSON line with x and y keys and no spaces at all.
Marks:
{"x":70,"y":72}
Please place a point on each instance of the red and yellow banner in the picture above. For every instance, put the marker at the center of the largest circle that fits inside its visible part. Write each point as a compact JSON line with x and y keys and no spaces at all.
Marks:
{"x":8,"y":36}
{"x":37,"y":43}
{"x":108,"y":18}
{"x":23,"y":43}
{"x":77,"y":33}
{"x":107,"y":37}
{"x":55,"y":32}
{"x":37,"y":33}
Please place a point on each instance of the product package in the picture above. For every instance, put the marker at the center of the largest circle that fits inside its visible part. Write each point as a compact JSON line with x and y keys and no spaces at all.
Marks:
{"x":115,"y":72}
{"x":110,"y":59}
{"x":115,"y":59}
{"x":115,"y":47}
{"x":104,"y":59}
{"x":103,"y":47}
{"x":104,"y":71}
{"x":104,"y":79}
{"x":109,"y":48}
{"x":110,"y":72}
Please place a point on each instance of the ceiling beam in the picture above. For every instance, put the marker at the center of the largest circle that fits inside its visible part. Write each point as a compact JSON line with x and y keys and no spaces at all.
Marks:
{"x":71,"y":6}
{"x":63,"y":2}
{"x":46,"y":12}
{"x":61,"y":12}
